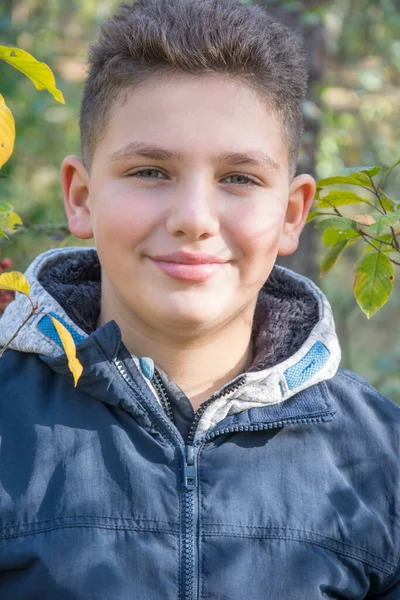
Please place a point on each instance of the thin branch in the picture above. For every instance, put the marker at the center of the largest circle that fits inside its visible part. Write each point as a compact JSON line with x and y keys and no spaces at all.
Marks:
{"x":370,"y":243}
{"x":364,"y":187}
{"x":30,"y":300}
{"x":17,"y":332}
{"x":47,"y":228}
{"x":377,"y":194}
{"x":387,"y":173}
{"x":379,"y":250}
{"x":379,"y":210}
{"x":364,"y":233}
{"x":395,"y":241}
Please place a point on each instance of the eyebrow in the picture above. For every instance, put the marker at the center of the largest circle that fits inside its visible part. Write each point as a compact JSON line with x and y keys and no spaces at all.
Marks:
{"x":252,"y":159}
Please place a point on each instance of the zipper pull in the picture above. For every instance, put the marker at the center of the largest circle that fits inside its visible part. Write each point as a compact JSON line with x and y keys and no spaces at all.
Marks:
{"x":190,"y":468}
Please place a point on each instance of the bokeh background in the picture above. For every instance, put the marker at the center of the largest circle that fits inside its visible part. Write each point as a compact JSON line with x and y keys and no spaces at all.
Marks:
{"x":352,"y":117}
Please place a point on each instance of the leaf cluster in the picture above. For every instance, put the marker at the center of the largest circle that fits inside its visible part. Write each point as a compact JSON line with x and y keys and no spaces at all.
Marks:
{"x":17,"y":282}
{"x":43,"y":79}
{"x":377,"y":229}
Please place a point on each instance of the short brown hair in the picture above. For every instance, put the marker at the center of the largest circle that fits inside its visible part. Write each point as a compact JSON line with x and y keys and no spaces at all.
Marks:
{"x":194,"y":37}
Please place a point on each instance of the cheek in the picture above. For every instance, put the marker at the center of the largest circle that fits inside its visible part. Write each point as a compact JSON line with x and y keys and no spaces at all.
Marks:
{"x":257,"y":231}
{"x":122,"y":219}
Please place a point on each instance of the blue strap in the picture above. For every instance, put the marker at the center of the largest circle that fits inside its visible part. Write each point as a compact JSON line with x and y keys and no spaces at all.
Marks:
{"x":308,"y":366}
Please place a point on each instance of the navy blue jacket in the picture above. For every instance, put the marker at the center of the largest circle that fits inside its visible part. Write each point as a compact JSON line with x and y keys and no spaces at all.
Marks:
{"x":286,"y":486}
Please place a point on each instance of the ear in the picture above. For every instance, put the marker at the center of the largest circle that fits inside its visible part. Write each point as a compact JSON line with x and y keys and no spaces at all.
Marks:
{"x":301,"y":196}
{"x":75,"y":186}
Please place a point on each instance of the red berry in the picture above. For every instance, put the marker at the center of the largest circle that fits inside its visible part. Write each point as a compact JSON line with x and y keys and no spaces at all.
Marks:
{"x":6,"y":263}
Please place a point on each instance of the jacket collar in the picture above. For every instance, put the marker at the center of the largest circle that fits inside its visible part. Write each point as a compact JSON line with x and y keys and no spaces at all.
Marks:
{"x":294,"y":337}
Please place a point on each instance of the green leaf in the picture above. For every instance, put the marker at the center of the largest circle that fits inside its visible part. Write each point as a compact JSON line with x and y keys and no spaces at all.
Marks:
{"x":352,"y":179}
{"x":383,"y":247}
{"x":371,"y":171}
{"x":384,"y":222}
{"x":4,"y":207}
{"x":330,"y":259}
{"x":341,"y":198}
{"x":340,"y":223}
{"x":374,"y":282}
{"x":39,"y":73}
{"x":312,"y":216}
{"x":330,"y":237}
{"x":387,"y":203}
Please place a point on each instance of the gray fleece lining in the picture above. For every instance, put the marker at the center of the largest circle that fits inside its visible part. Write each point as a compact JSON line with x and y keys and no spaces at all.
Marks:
{"x":286,"y":311}
{"x":76,"y":285}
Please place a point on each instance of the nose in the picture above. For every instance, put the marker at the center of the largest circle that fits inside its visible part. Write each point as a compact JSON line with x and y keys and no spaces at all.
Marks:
{"x":193,"y":211}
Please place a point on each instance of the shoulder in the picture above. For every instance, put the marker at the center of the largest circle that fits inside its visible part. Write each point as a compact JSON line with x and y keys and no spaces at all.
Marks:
{"x":14,"y":364}
{"x":368,"y":419}
{"x":353,"y":390}
{"x":23,"y":376}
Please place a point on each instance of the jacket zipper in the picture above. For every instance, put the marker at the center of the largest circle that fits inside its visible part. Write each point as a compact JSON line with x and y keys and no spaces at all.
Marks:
{"x":189,"y":510}
{"x":189,"y":521}
{"x":189,"y":553}
{"x":190,"y":475}
{"x":325,"y":418}
{"x":170,"y":429}
{"x":190,"y":452}
{"x":163,"y":395}
{"x":200,"y":411}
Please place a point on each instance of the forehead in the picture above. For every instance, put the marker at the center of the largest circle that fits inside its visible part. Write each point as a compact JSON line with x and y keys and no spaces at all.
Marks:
{"x":194,"y":117}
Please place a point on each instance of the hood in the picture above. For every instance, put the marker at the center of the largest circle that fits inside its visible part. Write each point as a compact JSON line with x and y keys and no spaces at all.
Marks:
{"x":293,"y":331}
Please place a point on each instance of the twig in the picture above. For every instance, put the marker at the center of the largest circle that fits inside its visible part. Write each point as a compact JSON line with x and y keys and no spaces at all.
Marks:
{"x":371,"y":237}
{"x":377,"y":194}
{"x":18,"y":330}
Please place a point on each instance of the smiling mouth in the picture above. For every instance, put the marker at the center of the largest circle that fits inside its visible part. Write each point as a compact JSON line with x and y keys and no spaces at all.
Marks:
{"x":185,"y":271}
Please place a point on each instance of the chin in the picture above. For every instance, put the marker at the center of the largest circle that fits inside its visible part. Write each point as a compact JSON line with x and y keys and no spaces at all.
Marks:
{"x":190,"y":318}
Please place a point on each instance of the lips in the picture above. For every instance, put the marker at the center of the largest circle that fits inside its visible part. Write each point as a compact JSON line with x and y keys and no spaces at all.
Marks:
{"x":187,"y":258}
{"x":189,"y":267}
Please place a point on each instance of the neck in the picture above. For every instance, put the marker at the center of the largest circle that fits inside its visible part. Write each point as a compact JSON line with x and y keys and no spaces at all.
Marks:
{"x":202,"y":370}
{"x":200,"y":365}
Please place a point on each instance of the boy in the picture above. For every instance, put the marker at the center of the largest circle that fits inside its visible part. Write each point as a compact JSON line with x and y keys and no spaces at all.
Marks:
{"x":211,"y":449}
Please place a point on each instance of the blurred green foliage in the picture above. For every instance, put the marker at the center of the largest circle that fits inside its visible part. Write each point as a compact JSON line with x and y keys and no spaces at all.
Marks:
{"x":360,"y":125}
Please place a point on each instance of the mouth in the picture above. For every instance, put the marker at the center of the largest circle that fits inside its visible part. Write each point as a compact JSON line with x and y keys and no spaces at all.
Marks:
{"x":189,"y":267}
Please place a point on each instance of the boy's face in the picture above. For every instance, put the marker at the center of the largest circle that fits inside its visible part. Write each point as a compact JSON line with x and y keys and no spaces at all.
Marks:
{"x":190,"y":169}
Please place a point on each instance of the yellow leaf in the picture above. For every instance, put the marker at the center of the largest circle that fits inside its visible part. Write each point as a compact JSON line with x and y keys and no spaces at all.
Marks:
{"x":7,"y":132}
{"x":366,"y":220}
{"x":14,"y":281}
{"x":39,"y":73}
{"x":8,"y":221}
{"x":70,"y":350}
